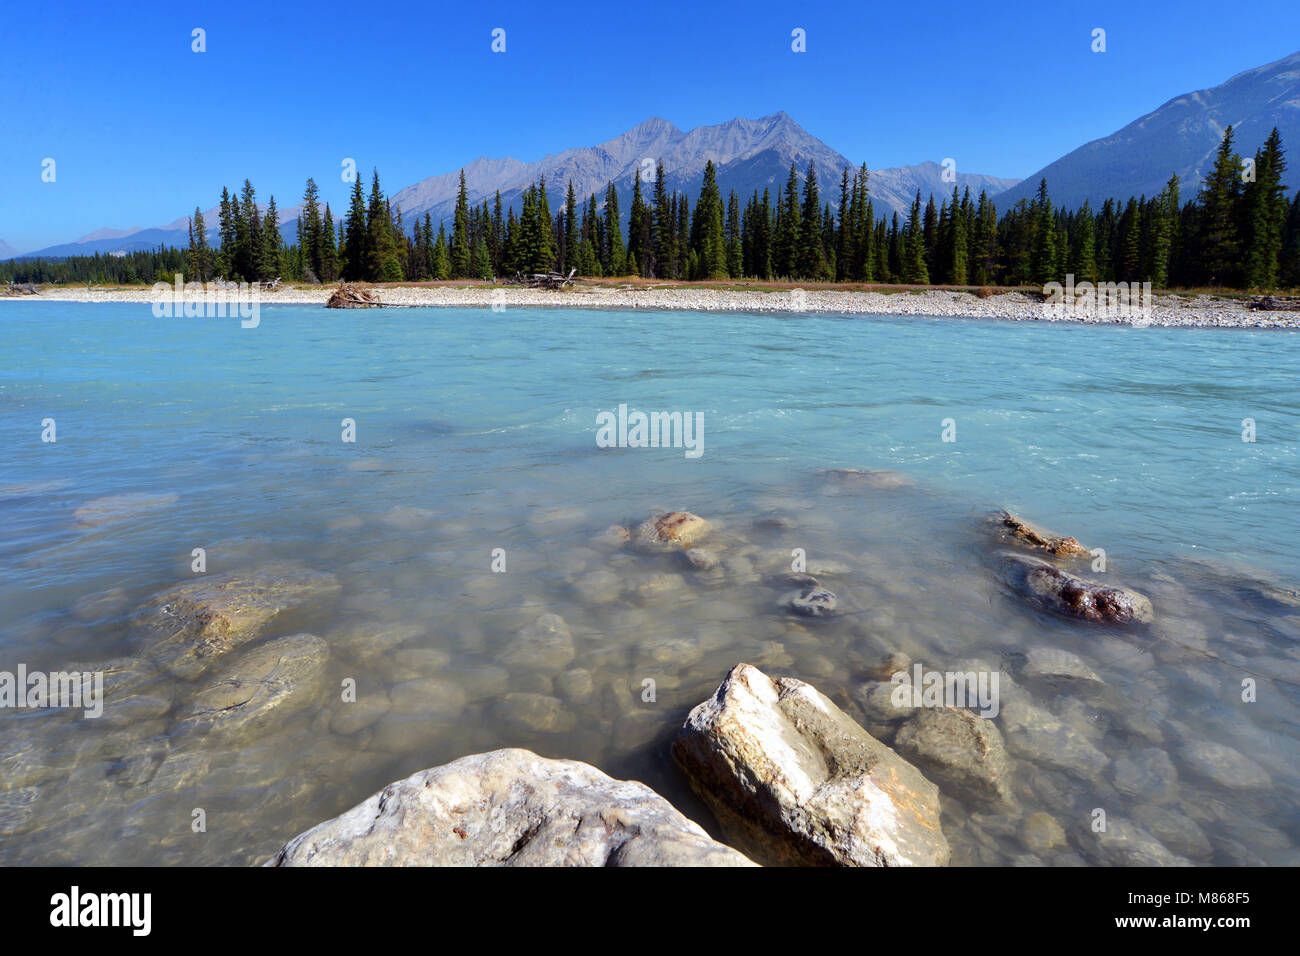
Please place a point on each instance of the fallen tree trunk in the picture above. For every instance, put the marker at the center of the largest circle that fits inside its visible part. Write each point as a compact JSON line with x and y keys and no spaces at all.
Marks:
{"x":544,"y":280}
{"x":349,"y":296}
{"x":1276,"y":303}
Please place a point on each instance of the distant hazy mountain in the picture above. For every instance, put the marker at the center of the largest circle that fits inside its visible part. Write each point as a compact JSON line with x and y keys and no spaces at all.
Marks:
{"x":1180,"y":137}
{"x":7,"y":251}
{"x":750,"y":154}
{"x":176,"y":233}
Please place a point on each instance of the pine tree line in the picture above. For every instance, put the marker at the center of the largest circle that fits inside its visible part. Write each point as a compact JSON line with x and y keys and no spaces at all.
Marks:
{"x":1239,"y":231}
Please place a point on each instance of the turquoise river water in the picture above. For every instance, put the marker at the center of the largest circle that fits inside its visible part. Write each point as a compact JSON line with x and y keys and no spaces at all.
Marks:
{"x":476,"y":430}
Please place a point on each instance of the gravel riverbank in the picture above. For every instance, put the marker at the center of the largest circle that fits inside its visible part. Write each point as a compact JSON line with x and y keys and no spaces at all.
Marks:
{"x":1166,"y":310}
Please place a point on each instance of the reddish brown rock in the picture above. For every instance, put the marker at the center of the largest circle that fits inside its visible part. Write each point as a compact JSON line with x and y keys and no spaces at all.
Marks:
{"x":1064,"y":593}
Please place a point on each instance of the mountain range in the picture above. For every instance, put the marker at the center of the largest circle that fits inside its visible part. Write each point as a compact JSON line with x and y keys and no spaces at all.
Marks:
{"x":1180,"y":137}
{"x":749,"y":154}
{"x":755,"y":154}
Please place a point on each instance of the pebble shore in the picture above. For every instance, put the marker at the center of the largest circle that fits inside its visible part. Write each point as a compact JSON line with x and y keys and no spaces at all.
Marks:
{"x":1167,"y":310}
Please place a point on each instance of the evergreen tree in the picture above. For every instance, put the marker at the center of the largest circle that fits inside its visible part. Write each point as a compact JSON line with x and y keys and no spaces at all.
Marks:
{"x":310,"y":232}
{"x":1219,"y":245}
{"x":1289,"y":266}
{"x":734,"y":264}
{"x":1128,"y":267}
{"x":440,"y":267}
{"x":460,"y":248}
{"x":811,"y":256}
{"x":984,"y":242}
{"x":1043,"y":269}
{"x":268,"y":266}
{"x":957,"y":264}
{"x":1083,"y":261}
{"x":545,"y":235}
{"x":663,"y":226}
{"x":1265,"y":209}
{"x":788,"y":229}
{"x":613,"y":252}
{"x":639,"y":230}
{"x":707,"y":234}
{"x":568,"y":252}
{"x":930,"y":235}
{"x":914,"y":269}
{"x":355,"y":253}
{"x":199,"y":258}
{"x":1164,"y":225}
{"x":329,"y":257}
{"x":226,"y":228}
{"x":381,"y":264}
{"x":497,"y":238}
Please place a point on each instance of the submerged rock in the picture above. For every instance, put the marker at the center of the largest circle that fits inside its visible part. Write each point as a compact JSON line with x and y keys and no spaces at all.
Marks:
{"x":1146,"y":773}
{"x":793,"y":780}
{"x":1064,"y":593}
{"x":433,"y":696}
{"x":575,"y":684}
{"x":895,"y":662}
{"x":193,"y":625}
{"x":100,"y":511}
{"x":1043,"y":738}
{"x":670,"y":531}
{"x":1178,"y":832}
{"x":258,"y":681}
{"x":16,"y":808}
{"x":1124,"y":843}
{"x":811,"y":601}
{"x":700,"y":559}
{"x":546,"y":644}
{"x":598,"y":587}
{"x":1052,"y":663}
{"x":961,"y":750}
{"x":611,"y":539}
{"x":1225,"y":766}
{"x":881,"y":704}
{"x":353,"y":716}
{"x":509,"y":808}
{"x":535,"y":713}
{"x":866,"y":478}
{"x":1041,"y":833}
{"x":1021,"y":531}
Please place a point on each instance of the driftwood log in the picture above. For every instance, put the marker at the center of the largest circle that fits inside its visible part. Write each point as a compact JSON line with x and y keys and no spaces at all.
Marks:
{"x":21,"y":288}
{"x":349,"y":296}
{"x":544,"y":280}
{"x":1276,"y":303}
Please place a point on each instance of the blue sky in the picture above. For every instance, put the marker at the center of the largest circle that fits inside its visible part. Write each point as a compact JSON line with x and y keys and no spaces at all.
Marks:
{"x":142,"y":129}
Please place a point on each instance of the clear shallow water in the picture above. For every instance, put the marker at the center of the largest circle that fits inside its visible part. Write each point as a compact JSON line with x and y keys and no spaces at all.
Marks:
{"x":476,"y":430}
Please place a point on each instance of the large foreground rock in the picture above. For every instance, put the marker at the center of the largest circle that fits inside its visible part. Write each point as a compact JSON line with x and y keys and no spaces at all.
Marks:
{"x":794,"y":780}
{"x":510,"y":808}
{"x":191,"y":626}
